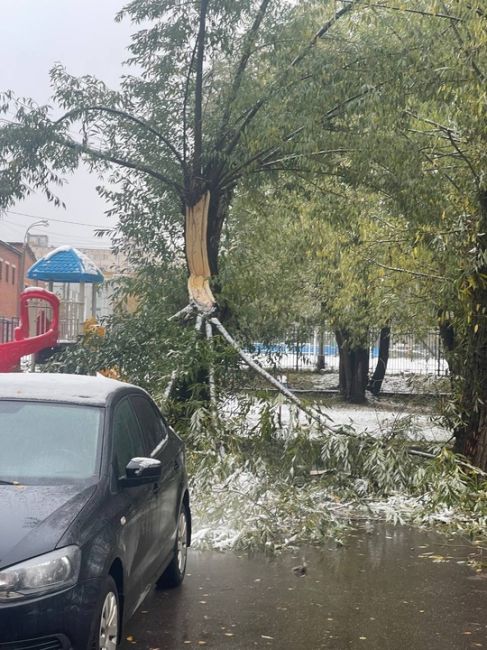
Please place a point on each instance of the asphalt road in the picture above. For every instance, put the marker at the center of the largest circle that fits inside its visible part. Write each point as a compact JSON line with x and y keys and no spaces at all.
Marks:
{"x":391,"y":589}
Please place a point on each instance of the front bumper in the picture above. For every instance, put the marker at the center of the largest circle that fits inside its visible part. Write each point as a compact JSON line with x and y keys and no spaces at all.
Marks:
{"x":61,"y":621}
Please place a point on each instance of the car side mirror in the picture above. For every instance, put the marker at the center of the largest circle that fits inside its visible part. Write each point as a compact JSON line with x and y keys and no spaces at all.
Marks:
{"x":140,"y":471}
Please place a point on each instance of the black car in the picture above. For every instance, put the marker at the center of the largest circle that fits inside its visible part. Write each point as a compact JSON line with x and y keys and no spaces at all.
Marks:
{"x":94,"y":509}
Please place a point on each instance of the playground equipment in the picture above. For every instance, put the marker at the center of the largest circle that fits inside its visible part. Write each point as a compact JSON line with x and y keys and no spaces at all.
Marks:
{"x":46,"y":330}
{"x":70,"y":270}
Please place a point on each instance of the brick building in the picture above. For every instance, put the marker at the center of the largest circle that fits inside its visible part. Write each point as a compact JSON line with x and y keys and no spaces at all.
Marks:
{"x":10,"y":264}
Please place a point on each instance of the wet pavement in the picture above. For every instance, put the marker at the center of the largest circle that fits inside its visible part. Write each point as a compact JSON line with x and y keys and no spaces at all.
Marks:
{"x":387,"y":589}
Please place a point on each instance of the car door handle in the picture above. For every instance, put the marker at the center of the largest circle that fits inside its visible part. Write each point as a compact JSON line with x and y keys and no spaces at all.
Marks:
{"x":176,"y":465}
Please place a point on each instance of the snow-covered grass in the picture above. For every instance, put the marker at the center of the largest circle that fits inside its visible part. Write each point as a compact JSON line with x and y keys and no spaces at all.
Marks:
{"x":408,"y":383}
{"x":371,"y":418}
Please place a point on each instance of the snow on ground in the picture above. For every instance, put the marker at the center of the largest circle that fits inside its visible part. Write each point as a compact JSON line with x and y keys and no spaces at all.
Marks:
{"x":365,"y":419}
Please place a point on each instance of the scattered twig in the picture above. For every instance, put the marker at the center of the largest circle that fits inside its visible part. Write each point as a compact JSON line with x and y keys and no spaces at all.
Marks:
{"x":170,"y":386}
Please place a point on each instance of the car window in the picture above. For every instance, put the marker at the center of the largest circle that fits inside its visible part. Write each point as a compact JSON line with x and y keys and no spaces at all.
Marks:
{"x":150,"y":420}
{"x":128,"y":441}
{"x":47,"y":441}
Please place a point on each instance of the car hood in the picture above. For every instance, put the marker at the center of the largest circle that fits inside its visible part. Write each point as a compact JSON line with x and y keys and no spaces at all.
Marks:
{"x":33,"y":518}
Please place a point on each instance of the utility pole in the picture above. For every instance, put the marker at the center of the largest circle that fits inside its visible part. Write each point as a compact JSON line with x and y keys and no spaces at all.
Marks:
{"x":20,"y":280}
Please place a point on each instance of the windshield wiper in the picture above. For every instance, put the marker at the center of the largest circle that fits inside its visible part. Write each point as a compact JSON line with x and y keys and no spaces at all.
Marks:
{"x":2,"y":482}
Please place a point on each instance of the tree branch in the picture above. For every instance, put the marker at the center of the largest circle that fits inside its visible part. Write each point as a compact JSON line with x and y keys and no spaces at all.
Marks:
{"x":248,"y":42}
{"x":459,"y":38}
{"x":305,"y":155}
{"x":137,"y":120}
{"x":416,"y":274}
{"x":464,"y":157}
{"x":410,"y":11}
{"x":198,"y":100}
{"x":185,"y":103}
{"x":121,"y":162}
{"x":252,"y":112}
{"x":310,"y":412}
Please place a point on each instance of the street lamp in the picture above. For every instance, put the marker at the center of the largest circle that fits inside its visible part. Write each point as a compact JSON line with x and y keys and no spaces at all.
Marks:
{"x":44,"y":223}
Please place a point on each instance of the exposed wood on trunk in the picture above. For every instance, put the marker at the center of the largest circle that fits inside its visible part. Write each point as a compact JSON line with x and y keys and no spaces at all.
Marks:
{"x":196,"y":241}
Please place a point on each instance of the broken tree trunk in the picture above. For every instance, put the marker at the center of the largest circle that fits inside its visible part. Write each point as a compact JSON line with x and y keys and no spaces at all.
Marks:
{"x":196,"y":242}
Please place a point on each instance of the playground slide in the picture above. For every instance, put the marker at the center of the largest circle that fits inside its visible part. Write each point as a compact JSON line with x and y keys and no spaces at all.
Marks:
{"x":11,"y":352}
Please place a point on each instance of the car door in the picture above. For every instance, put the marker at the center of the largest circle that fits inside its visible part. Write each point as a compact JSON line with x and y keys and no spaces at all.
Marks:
{"x":135,"y":504}
{"x":163,"y":449}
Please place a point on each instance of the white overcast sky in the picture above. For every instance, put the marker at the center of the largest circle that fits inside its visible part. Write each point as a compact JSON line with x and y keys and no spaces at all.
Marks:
{"x":81,"y":34}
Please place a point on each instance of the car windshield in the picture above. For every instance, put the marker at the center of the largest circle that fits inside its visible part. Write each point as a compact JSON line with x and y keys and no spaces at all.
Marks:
{"x":42,"y":442}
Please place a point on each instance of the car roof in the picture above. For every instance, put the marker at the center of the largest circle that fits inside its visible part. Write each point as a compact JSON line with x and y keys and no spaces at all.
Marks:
{"x":74,"y":389}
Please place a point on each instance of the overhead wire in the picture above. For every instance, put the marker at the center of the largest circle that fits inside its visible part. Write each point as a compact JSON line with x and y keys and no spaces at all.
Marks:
{"x":37,"y":216}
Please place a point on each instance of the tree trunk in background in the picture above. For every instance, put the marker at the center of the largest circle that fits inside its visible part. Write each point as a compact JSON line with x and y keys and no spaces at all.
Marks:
{"x":353,"y":369}
{"x":449,"y":343}
{"x":471,"y":435}
{"x":320,"y":363}
{"x":375,"y":383}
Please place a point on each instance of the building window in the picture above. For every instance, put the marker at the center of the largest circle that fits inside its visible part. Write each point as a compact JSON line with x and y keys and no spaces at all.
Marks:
{"x":7,"y":269}
{"x":1,"y":269}
{"x":13,"y":274}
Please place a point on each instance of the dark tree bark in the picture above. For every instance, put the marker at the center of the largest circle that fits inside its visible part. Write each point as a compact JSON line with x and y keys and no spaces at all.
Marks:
{"x":320,"y":363}
{"x":353,"y":368}
{"x":449,"y":341}
{"x":471,"y":434}
{"x":375,"y":383}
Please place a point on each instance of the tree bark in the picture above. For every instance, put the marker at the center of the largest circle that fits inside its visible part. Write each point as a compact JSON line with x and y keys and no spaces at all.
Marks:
{"x":449,"y":341}
{"x":320,"y":362}
{"x":471,"y":434}
{"x":375,"y":383}
{"x":353,"y":368}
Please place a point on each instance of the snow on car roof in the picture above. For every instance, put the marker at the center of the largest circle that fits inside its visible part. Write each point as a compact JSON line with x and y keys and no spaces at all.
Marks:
{"x":79,"y":389}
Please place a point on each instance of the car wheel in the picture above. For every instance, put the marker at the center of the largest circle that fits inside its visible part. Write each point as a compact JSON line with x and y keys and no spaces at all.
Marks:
{"x":174,"y":574}
{"x":107,"y":623}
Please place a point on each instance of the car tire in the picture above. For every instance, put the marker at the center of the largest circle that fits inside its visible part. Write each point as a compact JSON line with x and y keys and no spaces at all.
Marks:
{"x":175,"y":571}
{"x":106,"y":631}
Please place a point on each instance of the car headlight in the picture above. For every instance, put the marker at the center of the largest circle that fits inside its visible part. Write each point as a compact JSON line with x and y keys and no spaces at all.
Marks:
{"x":43,"y":574}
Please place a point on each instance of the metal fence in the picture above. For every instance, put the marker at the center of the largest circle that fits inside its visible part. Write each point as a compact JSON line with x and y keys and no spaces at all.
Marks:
{"x":408,"y":353}
{"x":7,"y":327}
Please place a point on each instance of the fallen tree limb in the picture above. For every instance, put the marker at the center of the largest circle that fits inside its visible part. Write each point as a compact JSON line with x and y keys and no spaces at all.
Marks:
{"x":317,"y":417}
{"x":189,"y":309}
{"x":211,"y":371}
{"x":170,"y":386}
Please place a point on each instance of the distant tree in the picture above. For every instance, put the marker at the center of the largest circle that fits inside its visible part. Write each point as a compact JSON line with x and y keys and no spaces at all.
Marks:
{"x":323,"y":254}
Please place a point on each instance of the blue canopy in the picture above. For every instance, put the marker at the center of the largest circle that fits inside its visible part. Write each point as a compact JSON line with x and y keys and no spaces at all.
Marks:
{"x":65,"y":264}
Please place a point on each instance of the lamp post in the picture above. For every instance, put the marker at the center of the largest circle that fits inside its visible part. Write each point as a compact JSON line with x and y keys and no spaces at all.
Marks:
{"x":20,"y":283}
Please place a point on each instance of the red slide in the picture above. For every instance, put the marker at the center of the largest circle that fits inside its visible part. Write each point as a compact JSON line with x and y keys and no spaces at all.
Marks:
{"x":11,"y":352}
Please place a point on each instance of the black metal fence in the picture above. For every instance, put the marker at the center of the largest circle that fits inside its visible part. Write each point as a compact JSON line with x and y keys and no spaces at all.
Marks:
{"x":7,"y":327}
{"x":408,"y":353}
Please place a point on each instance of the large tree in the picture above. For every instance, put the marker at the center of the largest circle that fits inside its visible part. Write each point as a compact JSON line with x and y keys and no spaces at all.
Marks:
{"x":188,"y":125}
{"x":230,"y":90}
